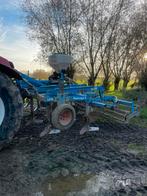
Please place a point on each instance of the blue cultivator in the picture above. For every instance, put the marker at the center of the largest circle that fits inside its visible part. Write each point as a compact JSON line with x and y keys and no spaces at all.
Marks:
{"x":62,"y":97}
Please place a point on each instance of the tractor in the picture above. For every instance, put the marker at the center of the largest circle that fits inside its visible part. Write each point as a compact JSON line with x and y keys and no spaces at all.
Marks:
{"x":11,"y":103}
{"x":59,"y":95}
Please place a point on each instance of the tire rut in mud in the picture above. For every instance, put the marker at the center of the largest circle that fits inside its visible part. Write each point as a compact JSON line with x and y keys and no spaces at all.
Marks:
{"x":90,"y":153}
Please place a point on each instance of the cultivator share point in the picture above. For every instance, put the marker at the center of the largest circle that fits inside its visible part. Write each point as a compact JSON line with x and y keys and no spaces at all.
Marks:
{"x":59,"y":95}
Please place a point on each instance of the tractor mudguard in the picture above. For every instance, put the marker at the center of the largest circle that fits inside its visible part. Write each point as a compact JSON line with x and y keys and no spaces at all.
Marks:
{"x":8,"y":68}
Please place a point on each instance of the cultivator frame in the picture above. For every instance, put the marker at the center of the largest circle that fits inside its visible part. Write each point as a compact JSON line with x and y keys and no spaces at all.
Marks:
{"x":60,"y":96}
{"x":90,"y":97}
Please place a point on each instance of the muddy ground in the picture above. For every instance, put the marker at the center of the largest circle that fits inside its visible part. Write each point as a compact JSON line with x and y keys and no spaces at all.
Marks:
{"x":111,"y":161}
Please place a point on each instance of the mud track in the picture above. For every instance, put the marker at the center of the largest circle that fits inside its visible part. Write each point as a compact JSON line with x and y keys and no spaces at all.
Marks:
{"x":116,"y":150}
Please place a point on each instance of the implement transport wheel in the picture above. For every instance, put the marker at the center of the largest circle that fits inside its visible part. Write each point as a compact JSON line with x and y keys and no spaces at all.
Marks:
{"x":63,"y":116}
{"x":11,"y":110}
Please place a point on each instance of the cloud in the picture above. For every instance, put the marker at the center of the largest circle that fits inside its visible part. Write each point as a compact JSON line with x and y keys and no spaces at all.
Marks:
{"x":2,"y":30}
{"x":14,"y":44}
{"x":17,"y":48}
{"x":10,"y":4}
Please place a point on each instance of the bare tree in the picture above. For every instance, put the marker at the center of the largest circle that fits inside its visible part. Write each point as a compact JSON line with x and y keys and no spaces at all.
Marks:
{"x":106,"y":52}
{"x":105,"y":36}
{"x":54,"y":23}
{"x":136,"y":43}
{"x":99,"y":20}
{"x":89,"y":39}
{"x":124,"y":46}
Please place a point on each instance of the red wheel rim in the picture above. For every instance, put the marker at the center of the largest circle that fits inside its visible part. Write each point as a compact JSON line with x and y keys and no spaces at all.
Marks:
{"x":65,"y":117}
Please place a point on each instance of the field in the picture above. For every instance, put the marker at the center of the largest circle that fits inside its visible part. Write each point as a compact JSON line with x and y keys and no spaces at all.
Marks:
{"x":111,"y":161}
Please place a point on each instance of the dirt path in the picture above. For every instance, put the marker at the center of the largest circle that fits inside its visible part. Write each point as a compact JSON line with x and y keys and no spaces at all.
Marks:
{"x":116,"y":153}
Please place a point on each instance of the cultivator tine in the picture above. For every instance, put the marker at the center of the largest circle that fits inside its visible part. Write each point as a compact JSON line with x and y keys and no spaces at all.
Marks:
{"x":84,"y":129}
{"x":46,"y":131}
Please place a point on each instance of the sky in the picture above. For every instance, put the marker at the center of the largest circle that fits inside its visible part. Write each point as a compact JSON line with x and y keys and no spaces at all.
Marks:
{"x":14,"y":43}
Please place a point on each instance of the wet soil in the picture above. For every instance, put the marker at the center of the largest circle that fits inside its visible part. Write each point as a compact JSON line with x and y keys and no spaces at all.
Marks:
{"x":111,"y":161}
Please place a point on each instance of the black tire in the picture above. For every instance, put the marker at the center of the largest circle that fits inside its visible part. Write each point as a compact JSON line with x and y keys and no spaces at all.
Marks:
{"x":56,"y":116}
{"x":13,"y":105}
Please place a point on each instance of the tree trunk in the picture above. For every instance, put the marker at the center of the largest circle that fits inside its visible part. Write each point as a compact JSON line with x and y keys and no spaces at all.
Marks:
{"x":91,"y":81}
{"x":116,"y":83}
{"x":125,"y":83}
{"x":106,"y":83}
{"x":71,"y":71}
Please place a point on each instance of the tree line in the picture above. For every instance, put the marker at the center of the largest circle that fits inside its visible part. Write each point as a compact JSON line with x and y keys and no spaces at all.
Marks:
{"x":105,"y":37}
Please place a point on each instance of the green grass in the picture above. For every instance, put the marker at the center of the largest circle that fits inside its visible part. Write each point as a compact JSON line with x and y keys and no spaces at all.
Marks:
{"x":99,"y":81}
{"x":132,"y":94}
{"x":111,"y":87}
{"x":82,"y":81}
{"x":143,"y":113}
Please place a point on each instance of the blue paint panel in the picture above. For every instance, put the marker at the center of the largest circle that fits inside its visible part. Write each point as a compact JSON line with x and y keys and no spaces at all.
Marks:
{"x":93,"y":96}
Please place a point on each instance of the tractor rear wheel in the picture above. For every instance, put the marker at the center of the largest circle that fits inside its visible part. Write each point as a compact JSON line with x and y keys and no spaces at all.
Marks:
{"x":63,"y":116}
{"x":11,"y":110}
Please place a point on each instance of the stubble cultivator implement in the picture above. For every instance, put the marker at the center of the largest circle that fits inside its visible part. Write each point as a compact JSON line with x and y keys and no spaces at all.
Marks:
{"x":59,"y":95}
{"x":62,"y":97}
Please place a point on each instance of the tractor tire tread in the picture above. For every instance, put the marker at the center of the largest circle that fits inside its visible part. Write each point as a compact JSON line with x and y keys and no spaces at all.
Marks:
{"x":16,"y":109}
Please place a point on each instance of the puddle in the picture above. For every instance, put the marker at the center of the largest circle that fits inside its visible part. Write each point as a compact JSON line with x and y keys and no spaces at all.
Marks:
{"x":63,"y":186}
{"x":85,"y":185}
